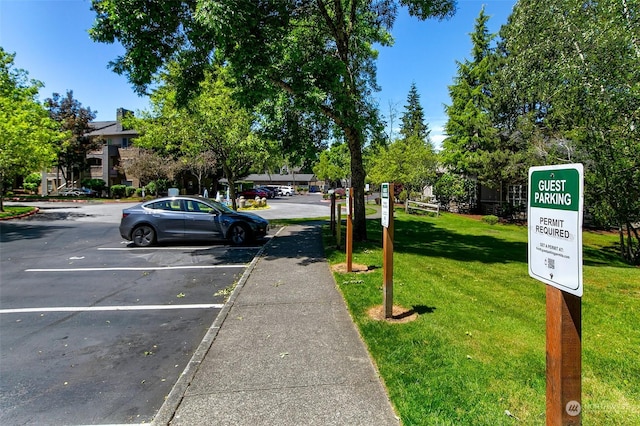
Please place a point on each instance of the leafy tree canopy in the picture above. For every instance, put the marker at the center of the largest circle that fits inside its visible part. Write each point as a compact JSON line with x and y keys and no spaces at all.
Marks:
{"x":317,"y":55}
{"x":573,"y":68}
{"x":333,"y":164}
{"x":27,"y":134}
{"x":212,"y":126}
{"x":73,"y":119}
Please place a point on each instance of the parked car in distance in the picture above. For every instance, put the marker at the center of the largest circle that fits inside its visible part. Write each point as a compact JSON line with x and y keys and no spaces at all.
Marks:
{"x":340,"y":192}
{"x":72,"y":192}
{"x":275,"y":189}
{"x":187,"y":218}
{"x":89,"y":192}
{"x":253,"y":193}
{"x":270,"y":192}
{"x":286,"y":190}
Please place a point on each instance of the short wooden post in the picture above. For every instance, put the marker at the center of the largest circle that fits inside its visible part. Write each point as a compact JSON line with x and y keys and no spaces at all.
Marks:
{"x":338,"y":223}
{"x":332,"y":197}
{"x":564,"y":358}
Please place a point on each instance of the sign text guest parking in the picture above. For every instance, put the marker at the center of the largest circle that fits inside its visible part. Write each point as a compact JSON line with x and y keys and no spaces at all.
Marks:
{"x":555,"y":226}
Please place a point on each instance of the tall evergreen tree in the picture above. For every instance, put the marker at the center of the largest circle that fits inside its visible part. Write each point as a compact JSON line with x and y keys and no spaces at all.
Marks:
{"x":410,"y":160}
{"x":413,"y":120}
{"x":471,"y":136}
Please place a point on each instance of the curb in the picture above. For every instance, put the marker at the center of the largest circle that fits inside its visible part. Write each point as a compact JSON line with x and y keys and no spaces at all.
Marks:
{"x":23,"y":215}
{"x":172,"y":401}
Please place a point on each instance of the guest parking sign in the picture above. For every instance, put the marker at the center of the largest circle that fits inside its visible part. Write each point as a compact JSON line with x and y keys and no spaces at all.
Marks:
{"x":555,"y":226}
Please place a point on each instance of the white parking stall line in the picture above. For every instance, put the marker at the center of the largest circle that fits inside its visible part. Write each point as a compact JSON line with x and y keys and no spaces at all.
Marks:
{"x":124,"y":268}
{"x":110,"y":308}
{"x":178,"y":248}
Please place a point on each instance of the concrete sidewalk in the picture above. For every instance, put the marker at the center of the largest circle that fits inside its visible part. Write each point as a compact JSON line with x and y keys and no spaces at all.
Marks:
{"x":283,"y":352}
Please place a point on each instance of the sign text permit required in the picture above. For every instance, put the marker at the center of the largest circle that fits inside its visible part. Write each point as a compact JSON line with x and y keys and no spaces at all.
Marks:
{"x":556,"y":196}
{"x":384,"y":201}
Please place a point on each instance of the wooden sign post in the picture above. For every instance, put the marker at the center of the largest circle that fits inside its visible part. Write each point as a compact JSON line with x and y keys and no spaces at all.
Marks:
{"x":386,"y":200}
{"x":332,"y":197}
{"x":556,"y":198}
{"x":349,"y":234}
{"x":564,"y":359}
{"x":338,"y":223}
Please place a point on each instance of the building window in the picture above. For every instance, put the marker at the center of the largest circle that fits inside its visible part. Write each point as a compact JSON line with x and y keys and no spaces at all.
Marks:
{"x":125,"y":142}
{"x":517,"y":195}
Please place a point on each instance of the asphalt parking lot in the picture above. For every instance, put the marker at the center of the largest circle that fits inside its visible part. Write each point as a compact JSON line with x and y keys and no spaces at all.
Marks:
{"x":93,"y":331}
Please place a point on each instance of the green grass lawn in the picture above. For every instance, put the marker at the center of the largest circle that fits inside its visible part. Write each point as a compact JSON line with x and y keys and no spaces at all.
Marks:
{"x":13,"y":211}
{"x":478,"y":345}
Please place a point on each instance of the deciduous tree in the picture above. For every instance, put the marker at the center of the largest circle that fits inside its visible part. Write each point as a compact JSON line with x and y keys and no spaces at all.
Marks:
{"x":27,"y":134}
{"x":575,"y":63}
{"x":149,"y":166}
{"x":211,"y":121}
{"x":317,"y":54}
{"x":334,"y":163}
{"x":73,"y":119}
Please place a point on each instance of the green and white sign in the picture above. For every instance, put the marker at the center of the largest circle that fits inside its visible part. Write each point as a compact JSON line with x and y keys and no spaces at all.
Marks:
{"x":347,"y":194}
{"x":384,"y":202}
{"x":556,"y":198}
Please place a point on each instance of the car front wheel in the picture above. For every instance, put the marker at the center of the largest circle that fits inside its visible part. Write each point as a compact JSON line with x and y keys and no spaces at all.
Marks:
{"x":144,"y":236}
{"x":238,"y":235}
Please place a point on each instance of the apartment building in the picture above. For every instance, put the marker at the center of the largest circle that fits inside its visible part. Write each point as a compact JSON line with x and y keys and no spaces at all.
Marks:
{"x":104,"y":163}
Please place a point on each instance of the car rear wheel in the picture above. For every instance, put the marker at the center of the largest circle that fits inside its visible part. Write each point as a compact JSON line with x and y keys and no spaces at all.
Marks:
{"x":238,"y":235}
{"x":144,"y":236}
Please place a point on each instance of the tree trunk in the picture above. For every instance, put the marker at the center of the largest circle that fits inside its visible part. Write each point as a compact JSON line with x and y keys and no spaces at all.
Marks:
{"x":354,"y":139}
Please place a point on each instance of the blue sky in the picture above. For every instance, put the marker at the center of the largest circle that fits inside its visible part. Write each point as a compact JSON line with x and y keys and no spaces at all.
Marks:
{"x":51,"y":42}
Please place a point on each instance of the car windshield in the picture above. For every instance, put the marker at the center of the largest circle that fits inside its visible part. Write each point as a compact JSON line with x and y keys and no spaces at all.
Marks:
{"x":221,"y":206}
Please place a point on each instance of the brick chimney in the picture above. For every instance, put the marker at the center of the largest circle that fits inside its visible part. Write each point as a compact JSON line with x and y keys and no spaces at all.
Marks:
{"x":120,"y":114}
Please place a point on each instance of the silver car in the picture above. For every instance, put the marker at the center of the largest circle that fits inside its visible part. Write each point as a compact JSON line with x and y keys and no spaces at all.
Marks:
{"x":185,"y":218}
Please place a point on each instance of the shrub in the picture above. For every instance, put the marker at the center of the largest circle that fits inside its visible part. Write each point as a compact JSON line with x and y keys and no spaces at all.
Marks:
{"x":118,"y":191}
{"x":490,"y":219}
{"x":95,"y":184}
{"x":129,"y":191}
{"x":151,"y":188}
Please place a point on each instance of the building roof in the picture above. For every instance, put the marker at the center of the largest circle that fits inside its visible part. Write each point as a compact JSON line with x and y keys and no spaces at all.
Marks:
{"x":277,"y":177}
{"x":109,"y":128}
